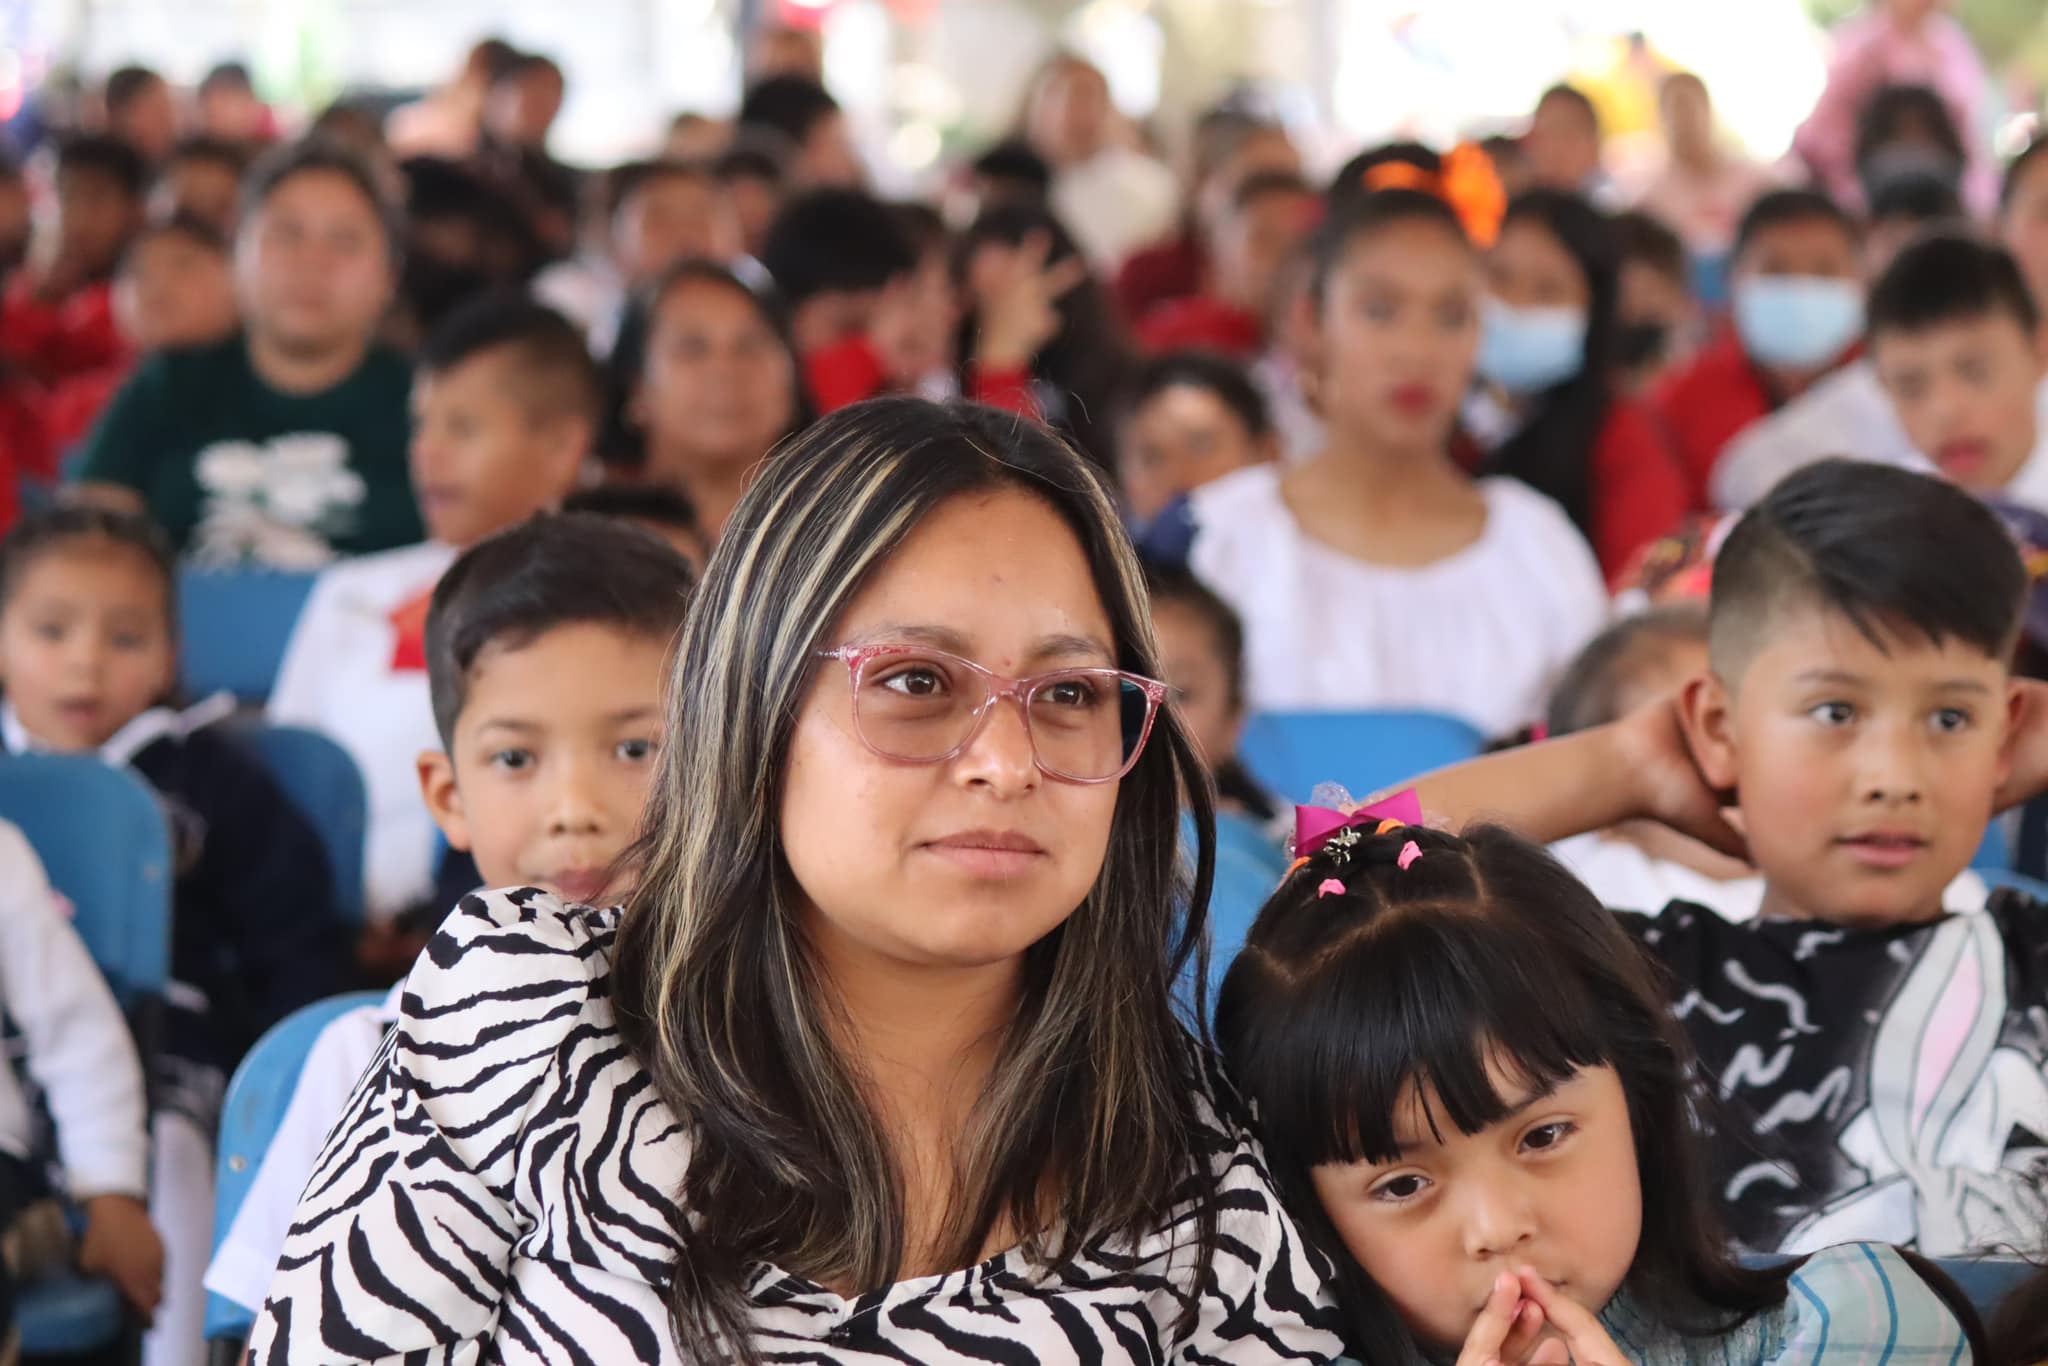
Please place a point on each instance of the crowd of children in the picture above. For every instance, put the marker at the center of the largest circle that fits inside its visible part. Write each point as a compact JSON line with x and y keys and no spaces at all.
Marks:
{"x":1733,"y":581}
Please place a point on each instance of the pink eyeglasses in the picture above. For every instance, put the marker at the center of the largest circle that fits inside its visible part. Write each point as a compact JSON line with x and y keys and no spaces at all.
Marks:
{"x":924,"y":706}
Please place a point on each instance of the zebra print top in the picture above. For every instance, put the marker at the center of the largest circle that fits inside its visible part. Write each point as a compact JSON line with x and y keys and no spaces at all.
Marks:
{"x":499,"y":1187}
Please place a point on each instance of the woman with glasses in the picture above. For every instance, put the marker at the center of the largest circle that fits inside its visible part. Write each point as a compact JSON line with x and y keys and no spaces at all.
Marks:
{"x":880,"y":1061}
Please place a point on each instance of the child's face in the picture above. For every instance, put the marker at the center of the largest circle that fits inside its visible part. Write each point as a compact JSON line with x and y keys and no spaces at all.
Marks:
{"x":717,"y":381}
{"x":2023,"y":225}
{"x":95,"y":217}
{"x":313,"y":265}
{"x":1252,"y":243}
{"x":1191,"y":661}
{"x":1530,"y":268}
{"x":482,"y":460}
{"x":202,"y":188}
{"x":1552,"y":1187}
{"x":672,"y":218}
{"x":1864,"y":776}
{"x":1400,"y":335}
{"x":1964,"y":390}
{"x":85,"y":644}
{"x":1801,"y":246}
{"x":1652,"y":299}
{"x":552,"y":757}
{"x":1178,"y":440}
{"x":173,"y":291}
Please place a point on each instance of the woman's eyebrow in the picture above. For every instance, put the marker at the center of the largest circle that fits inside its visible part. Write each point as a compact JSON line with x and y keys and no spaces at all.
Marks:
{"x":954,"y":642}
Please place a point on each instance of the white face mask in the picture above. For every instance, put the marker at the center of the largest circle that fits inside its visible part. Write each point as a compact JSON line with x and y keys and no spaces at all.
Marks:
{"x":1527,"y":350}
{"x":1798,"y":322}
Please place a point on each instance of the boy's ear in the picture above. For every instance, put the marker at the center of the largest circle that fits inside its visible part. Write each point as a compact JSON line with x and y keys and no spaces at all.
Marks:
{"x":443,"y":797}
{"x":2017,"y":719}
{"x":1707,"y":713}
{"x":571,"y":438}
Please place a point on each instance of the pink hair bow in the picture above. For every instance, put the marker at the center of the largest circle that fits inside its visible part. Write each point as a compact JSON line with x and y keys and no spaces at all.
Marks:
{"x":1316,"y":826}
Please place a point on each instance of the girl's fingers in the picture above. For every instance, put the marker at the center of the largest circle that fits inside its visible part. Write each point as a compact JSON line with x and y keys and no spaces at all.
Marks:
{"x":1523,"y":1335}
{"x":1064,"y":276}
{"x":1483,"y":1340}
{"x":1590,"y":1345}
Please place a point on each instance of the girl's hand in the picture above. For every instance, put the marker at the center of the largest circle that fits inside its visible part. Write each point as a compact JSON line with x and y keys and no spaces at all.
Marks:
{"x":1656,"y":760}
{"x":1019,"y":302}
{"x":1506,"y":1330}
{"x":1579,"y":1339}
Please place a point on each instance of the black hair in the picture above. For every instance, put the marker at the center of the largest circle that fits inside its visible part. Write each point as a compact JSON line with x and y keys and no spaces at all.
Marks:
{"x":1890,"y":551}
{"x":1172,"y":583}
{"x":1914,"y":197}
{"x":220,"y":151}
{"x":835,"y":239}
{"x":622,"y":444}
{"x":1081,"y":369}
{"x":1350,"y":185}
{"x":520,"y":65}
{"x":2016,"y":169}
{"x":227,"y":75}
{"x":1581,"y":103}
{"x":193,"y":229}
{"x":1210,"y":372}
{"x":311,"y":155}
{"x":553,"y":570}
{"x":557,"y":376}
{"x":1484,"y":954}
{"x":98,"y":154}
{"x":58,"y":525}
{"x":1355,"y":216}
{"x":1012,"y":159}
{"x":754,"y":154}
{"x":1948,"y":277}
{"x":126,"y":84}
{"x":1890,"y":109}
{"x":790,"y":105}
{"x":1589,"y":693}
{"x":924,"y":227}
{"x":496,"y":56}
{"x":1775,"y":208}
{"x":1649,"y":240}
{"x":1259,"y":184}
{"x":1552,"y":451}
{"x":622,"y":182}
{"x":660,"y":504}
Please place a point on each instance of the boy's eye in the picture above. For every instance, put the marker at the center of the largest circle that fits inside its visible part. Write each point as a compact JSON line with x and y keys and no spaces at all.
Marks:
{"x":1833,"y":713}
{"x":1400,"y":1189}
{"x":1547,"y":1136}
{"x":129,"y":640}
{"x":635,"y":751}
{"x":1951,"y":720}
{"x":512,"y":760}
{"x":49,"y":630}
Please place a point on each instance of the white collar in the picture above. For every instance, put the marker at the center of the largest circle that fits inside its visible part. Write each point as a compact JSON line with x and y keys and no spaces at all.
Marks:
{"x":124,"y":744}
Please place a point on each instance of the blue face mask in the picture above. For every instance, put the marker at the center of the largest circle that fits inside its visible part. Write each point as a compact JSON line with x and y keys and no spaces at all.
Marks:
{"x":1798,"y":322}
{"x":1527,"y":350}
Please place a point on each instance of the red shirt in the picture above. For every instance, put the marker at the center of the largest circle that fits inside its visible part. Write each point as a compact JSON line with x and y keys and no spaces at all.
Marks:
{"x":1639,"y":488}
{"x":1708,"y":404}
{"x":56,"y":340}
{"x":849,"y":371}
{"x":1205,"y":322}
{"x":1172,"y":270}
{"x":75,"y":404}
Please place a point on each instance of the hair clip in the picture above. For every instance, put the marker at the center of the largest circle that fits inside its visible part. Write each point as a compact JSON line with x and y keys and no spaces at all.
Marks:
{"x":1410,"y":852}
{"x":1330,"y":887}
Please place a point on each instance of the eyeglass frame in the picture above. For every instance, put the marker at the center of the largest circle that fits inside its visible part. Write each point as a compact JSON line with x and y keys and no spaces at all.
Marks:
{"x":1000,"y":687}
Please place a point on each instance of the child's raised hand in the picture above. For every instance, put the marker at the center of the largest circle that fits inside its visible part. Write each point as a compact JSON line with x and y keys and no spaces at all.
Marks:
{"x":1506,"y":1330}
{"x":1658,"y":761}
{"x":2028,"y":745}
{"x":1019,"y":302}
{"x":122,"y":1245}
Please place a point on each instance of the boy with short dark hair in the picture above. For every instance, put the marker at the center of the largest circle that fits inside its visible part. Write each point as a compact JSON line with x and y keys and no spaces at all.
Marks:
{"x":547,"y":646}
{"x":1797,"y":279}
{"x":506,"y":404}
{"x":1875,"y":1069}
{"x":58,"y":318}
{"x":752,"y":177}
{"x":1657,"y":318}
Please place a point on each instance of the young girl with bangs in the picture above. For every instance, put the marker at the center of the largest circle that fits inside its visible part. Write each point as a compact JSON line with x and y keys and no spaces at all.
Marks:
{"x":1472,"y":1098}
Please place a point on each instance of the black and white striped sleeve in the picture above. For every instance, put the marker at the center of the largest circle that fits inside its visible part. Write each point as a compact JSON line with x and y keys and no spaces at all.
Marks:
{"x":402,"y":1242}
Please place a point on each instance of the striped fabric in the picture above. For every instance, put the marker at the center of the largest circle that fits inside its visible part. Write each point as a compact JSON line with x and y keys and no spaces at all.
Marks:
{"x":1856,"y":1303}
{"x":498,"y":1191}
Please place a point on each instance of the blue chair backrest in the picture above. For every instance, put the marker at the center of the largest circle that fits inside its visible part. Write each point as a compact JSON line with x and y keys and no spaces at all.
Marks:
{"x":1248,"y":867}
{"x":1291,"y":752}
{"x":254,"y":1107}
{"x":104,"y":840}
{"x":235,"y":624}
{"x":327,"y":787}
{"x":2018,"y":882}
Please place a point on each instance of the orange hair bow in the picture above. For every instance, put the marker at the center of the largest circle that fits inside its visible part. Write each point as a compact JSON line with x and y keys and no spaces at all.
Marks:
{"x":1467,"y":181}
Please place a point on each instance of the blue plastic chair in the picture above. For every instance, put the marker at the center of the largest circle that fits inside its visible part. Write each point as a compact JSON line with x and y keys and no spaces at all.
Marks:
{"x":256,"y":1099}
{"x":327,"y":787}
{"x":1291,"y":752}
{"x":235,"y":625}
{"x":104,"y":841}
